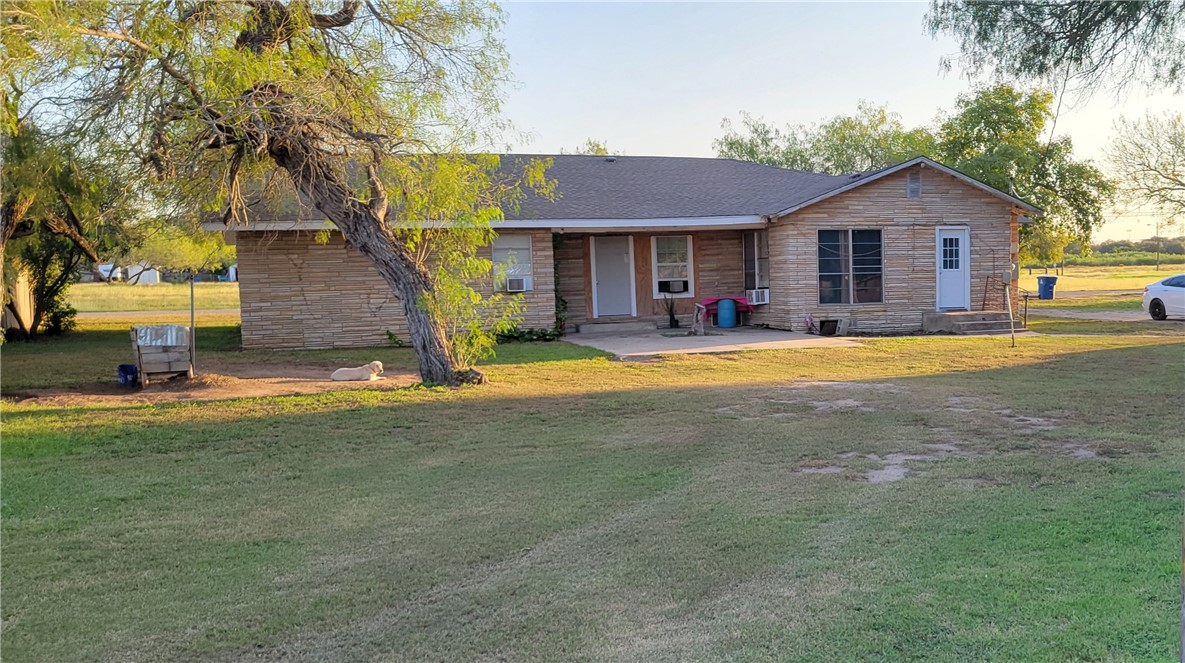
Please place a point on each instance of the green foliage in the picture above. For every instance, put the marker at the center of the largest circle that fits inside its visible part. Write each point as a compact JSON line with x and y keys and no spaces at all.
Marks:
{"x":1116,"y":259}
{"x":1094,"y":43}
{"x":1172,"y":245}
{"x":1044,"y":245}
{"x":394,"y":339}
{"x":871,"y":139}
{"x":170,"y":246}
{"x":367,"y":109}
{"x":62,"y":208}
{"x":592,"y":147}
{"x":51,"y":263}
{"x":994,"y":134}
{"x":529,"y":335}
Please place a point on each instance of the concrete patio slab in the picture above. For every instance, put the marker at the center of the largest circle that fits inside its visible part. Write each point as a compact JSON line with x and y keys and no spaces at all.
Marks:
{"x":637,"y":344}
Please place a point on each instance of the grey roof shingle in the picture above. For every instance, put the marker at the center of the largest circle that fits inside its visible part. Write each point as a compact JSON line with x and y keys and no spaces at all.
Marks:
{"x":627,"y":187}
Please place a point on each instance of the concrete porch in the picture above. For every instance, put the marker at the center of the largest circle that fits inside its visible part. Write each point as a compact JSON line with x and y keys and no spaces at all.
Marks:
{"x":640,"y":343}
{"x":969,"y":322}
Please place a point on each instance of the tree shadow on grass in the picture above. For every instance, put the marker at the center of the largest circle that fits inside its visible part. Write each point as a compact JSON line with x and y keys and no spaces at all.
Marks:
{"x":636,"y":520}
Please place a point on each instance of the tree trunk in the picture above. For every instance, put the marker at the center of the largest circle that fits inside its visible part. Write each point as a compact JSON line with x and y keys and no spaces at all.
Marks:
{"x":364,"y":230}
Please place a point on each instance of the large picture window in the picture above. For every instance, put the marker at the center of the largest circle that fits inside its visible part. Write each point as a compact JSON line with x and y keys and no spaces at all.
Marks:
{"x":851,"y":267}
{"x":756,"y":254}
{"x":672,"y":266}
{"x":511,"y":255}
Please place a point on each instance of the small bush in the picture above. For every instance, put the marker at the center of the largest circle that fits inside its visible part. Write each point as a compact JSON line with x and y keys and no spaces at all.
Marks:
{"x":60,"y":319}
{"x":516,"y":335}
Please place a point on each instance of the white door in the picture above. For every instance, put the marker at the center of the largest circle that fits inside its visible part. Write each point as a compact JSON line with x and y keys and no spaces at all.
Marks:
{"x":613,"y":276}
{"x":954,"y":269}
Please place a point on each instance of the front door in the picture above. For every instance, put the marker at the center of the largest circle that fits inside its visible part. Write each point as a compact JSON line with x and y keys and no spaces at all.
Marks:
{"x":954,"y":269}
{"x":613,"y":276}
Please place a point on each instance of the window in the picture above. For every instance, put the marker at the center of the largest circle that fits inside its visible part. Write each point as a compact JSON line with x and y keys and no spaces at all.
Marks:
{"x":511,"y":255}
{"x":950,"y":253}
{"x":672,"y":266}
{"x":756,"y":256}
{"x":913,"y":185}
{"x":851,"y":266}
{"x":1175,"y":282}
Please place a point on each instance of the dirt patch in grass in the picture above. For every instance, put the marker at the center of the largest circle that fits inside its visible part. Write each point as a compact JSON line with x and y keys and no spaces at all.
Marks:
{"x":829,"y":469}
{"x":1024,"y":424}
{"x":218,"y":382}
{"x":840,"y":404}
{"x":895,"y":468}
{"x":1081,"y":452}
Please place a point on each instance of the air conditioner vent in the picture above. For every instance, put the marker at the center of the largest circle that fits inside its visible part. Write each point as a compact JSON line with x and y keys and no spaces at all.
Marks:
{"x":757,"y":297}
{"x":516,"y":285}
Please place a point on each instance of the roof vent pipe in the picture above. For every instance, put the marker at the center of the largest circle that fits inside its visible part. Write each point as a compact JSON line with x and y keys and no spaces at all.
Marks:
{"x":610,"y":159}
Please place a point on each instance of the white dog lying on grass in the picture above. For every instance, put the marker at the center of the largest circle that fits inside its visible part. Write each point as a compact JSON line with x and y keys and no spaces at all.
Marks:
{"x":370,"y":371}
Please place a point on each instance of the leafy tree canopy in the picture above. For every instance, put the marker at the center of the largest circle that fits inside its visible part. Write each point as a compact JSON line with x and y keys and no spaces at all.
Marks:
{"x":994,"y":134}
{"x":175,"y":247}
{"x":366,"y":108}
{"x":870,"y":139}
{"x":1095,"y":43}
{"x":61,"y":209}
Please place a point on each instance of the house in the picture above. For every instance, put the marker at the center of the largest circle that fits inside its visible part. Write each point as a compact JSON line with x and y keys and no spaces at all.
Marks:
{"x":884,"y":250}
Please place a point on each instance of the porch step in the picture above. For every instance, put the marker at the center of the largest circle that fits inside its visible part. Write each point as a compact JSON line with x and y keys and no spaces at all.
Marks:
{"x":970,"y":327}
{"x":960,"y":322}
{"x":616,"y":326}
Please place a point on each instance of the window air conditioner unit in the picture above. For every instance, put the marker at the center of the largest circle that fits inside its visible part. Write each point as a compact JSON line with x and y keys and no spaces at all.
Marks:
{"x":756,"y":297}
{"x":516,"y":285}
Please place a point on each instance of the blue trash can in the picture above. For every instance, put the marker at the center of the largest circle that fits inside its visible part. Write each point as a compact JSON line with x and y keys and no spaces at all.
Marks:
{"x":726,"y":313}
{"x":128,"y":375}
{"x":1045,"y":286}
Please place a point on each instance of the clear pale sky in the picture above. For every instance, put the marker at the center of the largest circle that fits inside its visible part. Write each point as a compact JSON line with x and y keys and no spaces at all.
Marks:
{"x":658,"y":78}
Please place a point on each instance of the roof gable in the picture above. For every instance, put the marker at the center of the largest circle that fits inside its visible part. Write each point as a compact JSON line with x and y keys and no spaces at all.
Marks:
{"x":856,"y":181}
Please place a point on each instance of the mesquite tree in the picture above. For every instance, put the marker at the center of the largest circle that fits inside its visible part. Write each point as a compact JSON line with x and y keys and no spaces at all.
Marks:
{"x":1114,"y":43}
{"x":364,"y":105}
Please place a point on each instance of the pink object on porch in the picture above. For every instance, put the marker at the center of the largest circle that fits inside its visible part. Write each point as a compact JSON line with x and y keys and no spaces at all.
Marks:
{"x":712,"y":304}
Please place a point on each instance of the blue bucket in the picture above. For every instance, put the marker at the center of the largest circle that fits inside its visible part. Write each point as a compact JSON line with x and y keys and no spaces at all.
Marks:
{"x":1045,"y":285}
{"x":726,"y":314}
{"x":128,"y":375}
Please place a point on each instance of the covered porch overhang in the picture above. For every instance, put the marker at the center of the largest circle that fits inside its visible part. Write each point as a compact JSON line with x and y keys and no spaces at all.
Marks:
{"x":601,"y":226}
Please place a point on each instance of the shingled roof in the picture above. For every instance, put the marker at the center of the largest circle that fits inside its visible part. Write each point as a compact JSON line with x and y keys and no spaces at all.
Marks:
{"x":624,"y":192}
{"x":626,"y":187}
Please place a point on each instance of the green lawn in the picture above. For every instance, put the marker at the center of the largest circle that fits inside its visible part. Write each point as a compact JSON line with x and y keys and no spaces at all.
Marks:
{"x":88,"y":297}
{"x":1117,"y":302}
{"x":1049,"y":325}
{"x":579,"y":508}
{"x":1103,"y":278}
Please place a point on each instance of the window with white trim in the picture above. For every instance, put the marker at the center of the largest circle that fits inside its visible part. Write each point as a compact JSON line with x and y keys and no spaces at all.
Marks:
{"x":756,"y":257}
{"x":673,"y":266}
{"x":511,"y":255}
{"x":851,"y":267}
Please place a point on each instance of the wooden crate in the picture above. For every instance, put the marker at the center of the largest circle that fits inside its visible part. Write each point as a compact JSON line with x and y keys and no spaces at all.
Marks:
{"x":161,"y":362}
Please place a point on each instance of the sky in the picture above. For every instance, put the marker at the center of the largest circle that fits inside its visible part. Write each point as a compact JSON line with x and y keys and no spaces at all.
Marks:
{"x":658,"y":78}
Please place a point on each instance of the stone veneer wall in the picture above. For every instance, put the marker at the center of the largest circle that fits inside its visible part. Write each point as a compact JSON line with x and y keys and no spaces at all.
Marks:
{"x":296,"y":293}
{"x":908,"y":228}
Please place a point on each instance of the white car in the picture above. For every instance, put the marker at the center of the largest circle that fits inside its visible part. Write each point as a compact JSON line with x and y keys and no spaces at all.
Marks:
{"x":1165,"y":298}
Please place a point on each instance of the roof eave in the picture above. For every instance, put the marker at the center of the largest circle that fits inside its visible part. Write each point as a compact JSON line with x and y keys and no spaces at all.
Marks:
{"x":741,"y":221}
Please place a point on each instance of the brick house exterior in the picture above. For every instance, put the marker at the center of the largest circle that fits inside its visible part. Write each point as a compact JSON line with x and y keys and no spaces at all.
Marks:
{"x":897,"y":230}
